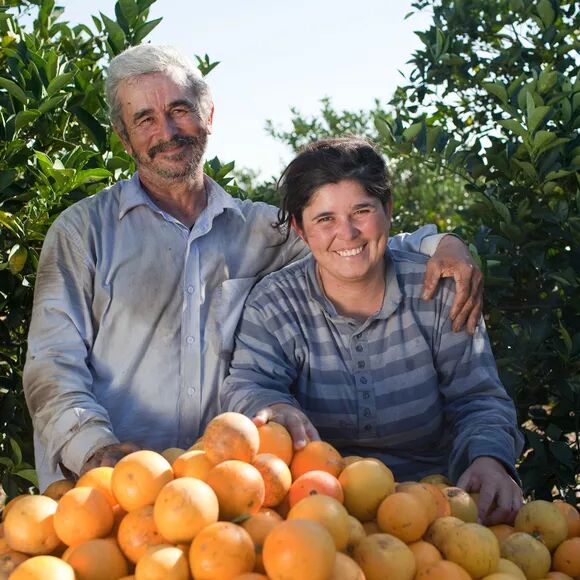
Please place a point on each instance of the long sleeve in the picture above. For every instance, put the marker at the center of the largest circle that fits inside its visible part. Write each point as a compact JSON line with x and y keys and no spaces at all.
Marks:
{"x":478,"y":410}
{"x":57,"y":380}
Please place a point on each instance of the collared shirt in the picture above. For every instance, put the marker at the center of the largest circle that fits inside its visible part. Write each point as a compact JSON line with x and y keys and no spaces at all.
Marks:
{"x":134,"y":316}
{"x":400,"y":386}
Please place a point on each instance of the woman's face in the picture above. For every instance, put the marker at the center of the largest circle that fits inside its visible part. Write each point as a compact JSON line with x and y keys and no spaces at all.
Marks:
{"x":346,"y":230}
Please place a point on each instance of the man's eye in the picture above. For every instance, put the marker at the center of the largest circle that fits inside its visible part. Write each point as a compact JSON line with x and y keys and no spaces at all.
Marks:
{"x":180,"y":112}
{"x":145,"y":121}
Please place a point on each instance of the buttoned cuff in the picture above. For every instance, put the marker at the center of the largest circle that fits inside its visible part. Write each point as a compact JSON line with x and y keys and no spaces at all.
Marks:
{"x":430,"y":243}
{"x":83,"y":444}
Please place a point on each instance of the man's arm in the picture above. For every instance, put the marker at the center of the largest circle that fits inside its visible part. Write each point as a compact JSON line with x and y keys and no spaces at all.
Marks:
{"x":57,"y":380}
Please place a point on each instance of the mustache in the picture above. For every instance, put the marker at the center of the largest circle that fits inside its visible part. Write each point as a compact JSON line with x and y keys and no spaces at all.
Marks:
{"x":176,"y":140}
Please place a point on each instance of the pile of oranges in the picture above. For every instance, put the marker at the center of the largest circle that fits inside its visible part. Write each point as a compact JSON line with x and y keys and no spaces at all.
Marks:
{"x":241,"y":504}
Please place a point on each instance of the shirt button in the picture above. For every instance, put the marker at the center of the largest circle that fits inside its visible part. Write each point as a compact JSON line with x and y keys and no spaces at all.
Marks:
{"x":365,"y":395}
{"x":191,"y":391}
{"x":363,"y":380}
{"x":368,"y":427}
{"x":361,"y":364}
{"x":359,"y":348}
{"x":190,"y":289}
{"x":190,"y":340}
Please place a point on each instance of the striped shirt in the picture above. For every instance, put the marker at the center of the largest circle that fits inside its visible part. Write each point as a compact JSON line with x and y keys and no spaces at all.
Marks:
{"x":400,"y":386}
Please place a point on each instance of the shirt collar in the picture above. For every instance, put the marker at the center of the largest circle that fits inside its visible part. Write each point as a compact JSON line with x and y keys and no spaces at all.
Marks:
{"x":218,"y":200}
{"x":391,"y":300}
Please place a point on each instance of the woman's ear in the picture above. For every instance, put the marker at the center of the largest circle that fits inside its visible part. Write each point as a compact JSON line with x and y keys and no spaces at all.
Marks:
{"x":297,"y":228}
{"x":389,"y":209}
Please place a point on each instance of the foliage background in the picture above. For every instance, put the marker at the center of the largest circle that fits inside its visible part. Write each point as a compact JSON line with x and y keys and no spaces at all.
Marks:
{"x":482,"y":139}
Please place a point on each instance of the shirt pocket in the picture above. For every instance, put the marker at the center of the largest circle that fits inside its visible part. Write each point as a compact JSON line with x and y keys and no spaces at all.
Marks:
{"x":233,"y":294}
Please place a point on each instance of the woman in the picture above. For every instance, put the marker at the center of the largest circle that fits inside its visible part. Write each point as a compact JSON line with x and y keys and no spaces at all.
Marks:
{"x":340,"y":344}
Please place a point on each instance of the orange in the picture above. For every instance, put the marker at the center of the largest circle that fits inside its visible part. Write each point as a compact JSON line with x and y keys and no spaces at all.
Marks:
{"x":43,"y":568}
{"x":383,"y":556}
{"x":192,"y":464}
{"x":312,"y":483}
{"x":327,"y":511}
{"x":251,"y":576}
{"x":365,"y":485}
{"x":29,"y":525}
{"x":567,"y":557}
{"x":138,"y":532}
{"x":231,"y":436}
{"x":97,"y":560}
{"x":183,"y":507}
{"x":544,"y":521}
{"x":99,"y":478}
{"x":138,"y":478}
{"x":316,"y":455}
{"x":439,"y":530}
{"x":299,"y":549}
{"x":83,"y":513}
{"x":557,"y":576}
{"x":58,"y":488}
{"x":163,"y":561}
{"x":221,"y":551}
{"x":351,"y":459}
{"x":275,"y":439}
{"x":442,"y":506}
{"x":424,"y":553}
{"x":239,"y":488}
{"x":422,"y":493}
{"x":474,"y":548}
{"x":527,"y":553}
{"x":172,"y":453}
{"x":508,"y":567}
{"x":371,"y":527}
{"x":276,"y":475}
{"x":356,"y":533}
{"x":404,"y":516}
{"x":346,"y":568}
{"x":259,"y":526}
{"x":502,"y":531}
{"x":462,"y":504}
{"x":436,"y":479}
{"x":198,"y":445}
{"x":283,"y":507}
{"x":442,"y":570}
{"x":9,"y":560}
{"x":572,"y":517}
{"x":11,"y":504}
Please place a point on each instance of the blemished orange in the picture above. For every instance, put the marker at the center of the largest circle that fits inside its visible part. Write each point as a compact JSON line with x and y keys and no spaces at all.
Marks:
{"x":436,"y":479}
{"x":313,"y":483}
{"x":572,"y":517}
{"x":58,"y":488}
{"x":29,"y":526}
{"x":192,"y":464}
{"x":502,"y":531}
{"x":183,"y":508}
{"x":221,"y":551}
{"x":424,"y":553}
{"x":231,"y":436}
{"x":138,"y":532}
{"x":345,"y":568}
{"x":527,"y":553}
{"x":439,"y":530}
{"x":422,"y":493}
{"x":462,"y":504}
{"x":566,"y":558}
{"x":316,"y":455}
{"x":365,"y":485}
{"x":83,"y":513}
{"x":276,"y":475}
{"x":9,"y":560}
{"x":299,"y":549}
{"x":442,"y":506}
{"x":99,"y":478}
{"x":259,"y":526}
{"x":404,"y":516}
{"x":507,"y":567}
{"x":43,"y":568}
{"x":99,"y":559}
{"x":474,"y":548}
{"x":11,"y":504}
{"x":383,"y":556}
{"x":356,"y":533}
{"x":163,"y":561}
{"x":172,"y":453}
{"x":239,"y":488}
{"x":275,"y":439}
{"x":138,"y":478}
{"x":442,"y":570}
{"x":544,"y":521}
{"x":327,"y":511}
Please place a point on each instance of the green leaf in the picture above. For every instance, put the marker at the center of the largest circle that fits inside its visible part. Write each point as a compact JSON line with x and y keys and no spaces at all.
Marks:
{"x":12,"y":223}
{"x":90,"y":176}
{"x":29,"y":475}
{"x":24,"y":118}
{"x":513,"y":126}
{"x":7,"y":177}
{"x":7,"y":462}
{"x":502,"y":210}
{"x":51,"y":103}
{"x":546,"y":12}
{"x":17,"y":258}
{"x":14,"y":90}
{"x":143,"y":30}
{"x":16,"y":451}
{"x":497,"y":90}
{"x":546,"y":81}
{"x":537,"y":116}
{"x":561,"y":451}
{"x":115,"y":32}
{"x":411,"y":132}
{"x":59,"y":82}
{"x":129,"y":9}
{"x":542,"y":139}
{"x":527,"y":168}
{"x":96,"y":131}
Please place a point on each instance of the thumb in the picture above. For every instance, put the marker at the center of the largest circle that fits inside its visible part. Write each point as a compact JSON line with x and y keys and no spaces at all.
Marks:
{"x":262,"y":416}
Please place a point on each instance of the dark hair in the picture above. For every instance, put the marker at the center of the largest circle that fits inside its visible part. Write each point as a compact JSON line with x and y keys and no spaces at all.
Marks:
{"x":330,"y":161}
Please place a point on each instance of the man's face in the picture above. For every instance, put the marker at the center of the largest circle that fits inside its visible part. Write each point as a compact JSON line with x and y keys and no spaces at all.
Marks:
{"x":164,"y":131}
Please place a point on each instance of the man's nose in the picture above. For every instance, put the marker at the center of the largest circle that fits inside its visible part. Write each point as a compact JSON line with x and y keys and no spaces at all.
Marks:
{"x":167,"y":128}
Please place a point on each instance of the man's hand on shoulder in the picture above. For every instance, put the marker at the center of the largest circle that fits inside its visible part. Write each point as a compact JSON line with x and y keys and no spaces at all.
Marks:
{"x":108,"y":456}
{"x":453,"y":260}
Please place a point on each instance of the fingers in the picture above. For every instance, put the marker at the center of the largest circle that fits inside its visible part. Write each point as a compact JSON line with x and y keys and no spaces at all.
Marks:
{"x":311,"y":431}
{"x":463,"y":290}
{"x":262,"y":416}
{"x":433,"y":274}
{"x":297,"y":429}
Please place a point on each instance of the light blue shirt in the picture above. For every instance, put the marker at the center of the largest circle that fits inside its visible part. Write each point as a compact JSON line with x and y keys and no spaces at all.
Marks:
{"x":134,"y":316}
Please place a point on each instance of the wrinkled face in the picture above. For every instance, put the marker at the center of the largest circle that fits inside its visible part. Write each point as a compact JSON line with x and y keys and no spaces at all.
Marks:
{"x":164,"y":131}
{"x":347,"y":231}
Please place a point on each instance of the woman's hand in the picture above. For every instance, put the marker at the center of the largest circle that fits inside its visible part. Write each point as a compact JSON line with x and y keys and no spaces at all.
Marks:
{"x":500,"y":497}
{"x":298,"y":424}
{"x":453,"y":260}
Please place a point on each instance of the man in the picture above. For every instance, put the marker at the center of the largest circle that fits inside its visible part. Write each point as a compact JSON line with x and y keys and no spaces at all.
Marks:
{"x":140,"y":288}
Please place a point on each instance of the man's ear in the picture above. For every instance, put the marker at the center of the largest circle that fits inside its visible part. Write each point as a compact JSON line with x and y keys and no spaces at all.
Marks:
{"x":297,"y":228}
{"x":209,"y":121}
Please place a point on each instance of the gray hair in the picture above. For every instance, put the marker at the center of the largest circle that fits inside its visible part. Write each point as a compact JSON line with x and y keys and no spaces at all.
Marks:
{"x":148,"y":58}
